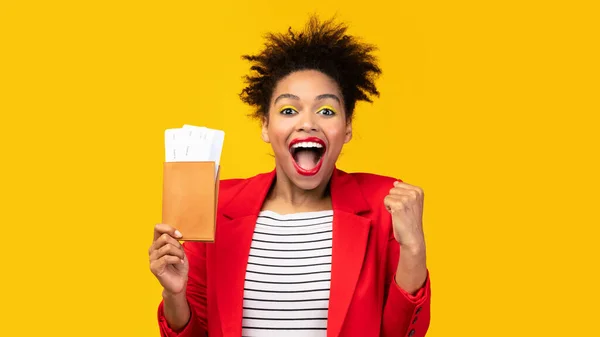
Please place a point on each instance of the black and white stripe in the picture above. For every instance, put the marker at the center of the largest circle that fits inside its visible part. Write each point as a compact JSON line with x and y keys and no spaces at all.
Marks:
{"x":286,"y":292}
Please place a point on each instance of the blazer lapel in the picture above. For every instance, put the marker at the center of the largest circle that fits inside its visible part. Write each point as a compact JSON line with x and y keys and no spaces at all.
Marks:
{"x":232,"y":245}
{"x":234,"y":237}
{"x":350,"y":236}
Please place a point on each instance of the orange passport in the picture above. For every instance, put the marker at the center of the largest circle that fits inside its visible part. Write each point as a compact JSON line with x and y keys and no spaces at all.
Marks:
{"x":189,"y":199}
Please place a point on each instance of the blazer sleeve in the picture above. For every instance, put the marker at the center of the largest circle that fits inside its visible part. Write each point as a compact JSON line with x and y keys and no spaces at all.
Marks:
{"x":195,"y":293}
{"x":404,"y":314}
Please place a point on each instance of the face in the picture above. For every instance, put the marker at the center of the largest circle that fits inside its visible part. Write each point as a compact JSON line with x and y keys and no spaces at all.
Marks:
{"x":307,"y":127}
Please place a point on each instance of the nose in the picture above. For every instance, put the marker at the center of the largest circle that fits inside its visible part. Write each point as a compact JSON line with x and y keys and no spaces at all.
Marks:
{"x":307,"y":122}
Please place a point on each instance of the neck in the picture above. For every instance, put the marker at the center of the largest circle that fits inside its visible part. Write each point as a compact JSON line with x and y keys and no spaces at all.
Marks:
{"x":286,"y":197}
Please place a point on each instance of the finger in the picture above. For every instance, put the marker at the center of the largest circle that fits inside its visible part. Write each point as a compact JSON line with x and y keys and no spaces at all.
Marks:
{"x":162,"y":240}
{"x":401,"y":191}
{"x":160,"y":229}
{"x":395,"y":202}
{"x":166,"y":239}
{"x":157,"y":266}
{"x":407,"y":186}
{"x":167,"y":249}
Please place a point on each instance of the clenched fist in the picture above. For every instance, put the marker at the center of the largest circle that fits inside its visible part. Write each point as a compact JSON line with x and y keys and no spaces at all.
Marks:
{"x":405,"y":204}
{"x":167,"y":259}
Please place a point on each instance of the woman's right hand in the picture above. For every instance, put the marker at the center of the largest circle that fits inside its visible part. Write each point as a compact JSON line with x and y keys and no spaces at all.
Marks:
{"x":167,"y":259}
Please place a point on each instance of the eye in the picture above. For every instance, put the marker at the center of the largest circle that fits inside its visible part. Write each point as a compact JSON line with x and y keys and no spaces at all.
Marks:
{"x":287,"y":111}
{"x":327,"y":112}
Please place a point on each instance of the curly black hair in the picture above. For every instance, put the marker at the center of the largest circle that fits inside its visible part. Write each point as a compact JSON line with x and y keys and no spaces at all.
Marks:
{"x":322,"y":46}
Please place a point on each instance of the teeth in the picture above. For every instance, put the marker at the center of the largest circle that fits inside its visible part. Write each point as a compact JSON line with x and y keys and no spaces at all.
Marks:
{"x":307,"y":145}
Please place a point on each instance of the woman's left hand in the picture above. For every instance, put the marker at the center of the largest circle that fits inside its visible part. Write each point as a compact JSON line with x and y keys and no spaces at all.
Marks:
{"x":405,"y":204}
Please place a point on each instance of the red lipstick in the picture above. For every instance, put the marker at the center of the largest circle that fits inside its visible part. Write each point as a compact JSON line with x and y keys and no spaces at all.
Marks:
{"x":314,"y":170}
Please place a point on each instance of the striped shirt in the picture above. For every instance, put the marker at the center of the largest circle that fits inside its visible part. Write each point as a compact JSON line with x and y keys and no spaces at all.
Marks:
{"x":286,"y":291}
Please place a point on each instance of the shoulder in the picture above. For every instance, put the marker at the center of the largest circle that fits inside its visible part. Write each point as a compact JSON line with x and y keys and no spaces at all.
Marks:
{"x":232,"y":184}
{"x":229,"y":188}
{"x":368,"y":179}
{"x":373,"y":187}
{"x":371,"y":183}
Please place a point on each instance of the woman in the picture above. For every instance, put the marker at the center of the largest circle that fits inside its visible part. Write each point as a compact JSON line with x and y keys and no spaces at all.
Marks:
{"x":307,"y":249}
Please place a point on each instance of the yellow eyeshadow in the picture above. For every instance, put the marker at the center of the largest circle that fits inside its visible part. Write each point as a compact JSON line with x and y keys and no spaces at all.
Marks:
{"x":287,"y":107}
{"x":327,"y":107}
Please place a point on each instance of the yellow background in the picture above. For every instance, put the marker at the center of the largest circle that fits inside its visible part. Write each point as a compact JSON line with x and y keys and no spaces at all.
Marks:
{"x":491,"y":107}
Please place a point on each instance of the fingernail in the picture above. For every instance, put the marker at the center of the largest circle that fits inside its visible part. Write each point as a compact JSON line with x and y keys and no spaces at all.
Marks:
{"x":178,"y":234}
{"x":182,"y":261}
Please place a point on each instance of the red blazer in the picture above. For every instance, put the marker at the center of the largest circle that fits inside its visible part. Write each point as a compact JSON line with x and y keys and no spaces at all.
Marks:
{"x":364,"y":297}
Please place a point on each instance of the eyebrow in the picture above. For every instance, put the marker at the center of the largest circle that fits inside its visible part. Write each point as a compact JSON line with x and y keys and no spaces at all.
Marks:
{"x":286,"y":96}
{"x":320,"y":97}
{"x":332,"y":96}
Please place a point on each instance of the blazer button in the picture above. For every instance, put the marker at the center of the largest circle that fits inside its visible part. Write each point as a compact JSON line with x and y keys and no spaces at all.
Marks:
{"x":418,"y":310}
{"x":415,"y":320}
{"x":412,"y":332}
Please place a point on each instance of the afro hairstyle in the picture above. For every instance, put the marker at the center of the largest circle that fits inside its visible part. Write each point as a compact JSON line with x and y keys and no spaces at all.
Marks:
{"x":322,"y":46}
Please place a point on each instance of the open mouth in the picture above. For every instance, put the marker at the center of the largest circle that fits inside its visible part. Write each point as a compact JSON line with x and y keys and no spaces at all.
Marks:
{"x":307,"y":154}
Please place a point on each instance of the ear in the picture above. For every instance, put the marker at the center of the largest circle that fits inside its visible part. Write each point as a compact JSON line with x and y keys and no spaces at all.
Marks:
{"x":348,"y":132}
{"x":264,"y":132}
